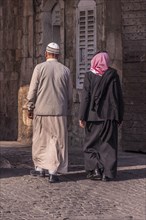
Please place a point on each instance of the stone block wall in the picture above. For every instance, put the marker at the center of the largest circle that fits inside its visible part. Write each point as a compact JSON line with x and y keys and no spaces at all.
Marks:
{"x":10,"y":66}
{"x":134,"y":74}
{"x":16,"y":62}
{"x":25,"y":30}
{"x":27,"y":64}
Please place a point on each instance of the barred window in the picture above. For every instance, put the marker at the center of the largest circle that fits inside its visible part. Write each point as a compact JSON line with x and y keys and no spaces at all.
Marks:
{"x":85,"y":38}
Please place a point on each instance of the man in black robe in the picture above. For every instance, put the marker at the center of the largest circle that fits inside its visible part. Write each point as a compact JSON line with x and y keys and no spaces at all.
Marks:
{"x":101,"y":112}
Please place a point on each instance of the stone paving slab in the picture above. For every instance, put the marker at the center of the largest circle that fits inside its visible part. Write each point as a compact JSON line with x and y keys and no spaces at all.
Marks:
{"x":23,"y":197}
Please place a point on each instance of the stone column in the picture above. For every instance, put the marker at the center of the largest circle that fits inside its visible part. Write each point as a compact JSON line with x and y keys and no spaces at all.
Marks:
{"x":27,"y":64}
{"x":113,"y":37}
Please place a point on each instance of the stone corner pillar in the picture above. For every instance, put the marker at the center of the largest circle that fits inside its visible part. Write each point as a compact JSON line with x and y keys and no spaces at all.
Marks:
{"x":24,"y":123}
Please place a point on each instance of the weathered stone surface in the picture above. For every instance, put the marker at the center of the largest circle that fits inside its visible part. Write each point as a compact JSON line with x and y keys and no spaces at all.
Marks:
{"x":25,"y":124}
{"x":26,"y":29}
{"x":134,"y":75}
{"x":4,"y":163}
{"x":27,"y":8}
{"x":26,"y":70}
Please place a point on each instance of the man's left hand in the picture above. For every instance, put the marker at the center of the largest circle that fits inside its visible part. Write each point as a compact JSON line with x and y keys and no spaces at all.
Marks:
{"x":82,"y":123}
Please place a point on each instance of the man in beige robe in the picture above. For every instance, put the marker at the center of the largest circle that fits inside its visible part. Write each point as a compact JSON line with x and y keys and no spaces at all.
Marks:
{"x":49,"y":99}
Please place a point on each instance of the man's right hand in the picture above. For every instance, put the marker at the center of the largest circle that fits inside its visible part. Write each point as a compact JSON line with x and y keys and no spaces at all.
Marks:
{"x":30,"y":114}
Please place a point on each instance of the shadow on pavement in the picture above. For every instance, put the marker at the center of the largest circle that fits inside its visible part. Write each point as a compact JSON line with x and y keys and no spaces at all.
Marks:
{"x":130,"y":174}
{"x":73,"y":177}
{"x":122,"y":175}
{"x":131,"y":165}
{"x":131,"y":159}
{"x":13,"y":172}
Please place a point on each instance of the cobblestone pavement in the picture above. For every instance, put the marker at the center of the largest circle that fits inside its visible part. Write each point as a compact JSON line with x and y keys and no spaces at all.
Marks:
{"x":23,"y":197}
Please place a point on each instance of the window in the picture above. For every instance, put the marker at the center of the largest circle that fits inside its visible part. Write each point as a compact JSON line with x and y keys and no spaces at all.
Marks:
{"x":56,"y":24}
{"x":85,"y":38}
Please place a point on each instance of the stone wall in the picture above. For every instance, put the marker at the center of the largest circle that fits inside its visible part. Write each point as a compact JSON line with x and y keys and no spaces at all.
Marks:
{"x":27,"y":63}
{"x":16,"y":62}
{"x":10,"y":66}
{"x":25,"y":30}
{"x":134,"y":74}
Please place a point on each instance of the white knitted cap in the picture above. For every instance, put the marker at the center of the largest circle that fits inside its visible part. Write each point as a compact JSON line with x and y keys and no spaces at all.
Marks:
{"x":52,"y":48}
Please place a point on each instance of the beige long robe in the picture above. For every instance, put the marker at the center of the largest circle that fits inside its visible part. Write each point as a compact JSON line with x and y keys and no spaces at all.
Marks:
{"x":50,"y":143}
